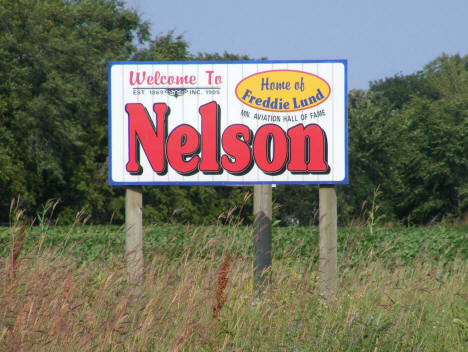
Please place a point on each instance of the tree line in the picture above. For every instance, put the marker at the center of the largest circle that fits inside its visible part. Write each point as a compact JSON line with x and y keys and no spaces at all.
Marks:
{"x":407,"y":134}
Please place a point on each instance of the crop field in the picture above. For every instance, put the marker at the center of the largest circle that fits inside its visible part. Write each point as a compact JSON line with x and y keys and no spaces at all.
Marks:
{"x":65,"y":289}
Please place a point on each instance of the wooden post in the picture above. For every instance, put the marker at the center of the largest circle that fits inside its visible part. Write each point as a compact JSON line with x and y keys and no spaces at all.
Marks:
{"x":328,"y":272}
{"x":134,"y":236}
{"x":262,"y":236}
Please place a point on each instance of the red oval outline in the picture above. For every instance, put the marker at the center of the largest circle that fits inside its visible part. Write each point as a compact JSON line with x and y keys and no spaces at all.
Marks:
{"x":307,"y":73}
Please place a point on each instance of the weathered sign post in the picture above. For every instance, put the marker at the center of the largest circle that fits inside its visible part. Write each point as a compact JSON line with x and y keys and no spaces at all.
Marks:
{"x":328,"y":266}
{"x":228,"y":123}
{"x":262,"y":236}
{"x":134,"y":236}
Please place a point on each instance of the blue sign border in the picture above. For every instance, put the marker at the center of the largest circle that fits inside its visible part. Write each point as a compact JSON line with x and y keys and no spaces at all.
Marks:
{"x":222,"y":183}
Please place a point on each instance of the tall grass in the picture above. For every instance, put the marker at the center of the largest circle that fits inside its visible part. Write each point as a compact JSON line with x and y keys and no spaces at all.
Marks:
{"x":62,"y":301}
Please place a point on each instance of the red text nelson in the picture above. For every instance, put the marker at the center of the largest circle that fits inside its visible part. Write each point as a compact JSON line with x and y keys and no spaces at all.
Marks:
{"x":300,"y":150}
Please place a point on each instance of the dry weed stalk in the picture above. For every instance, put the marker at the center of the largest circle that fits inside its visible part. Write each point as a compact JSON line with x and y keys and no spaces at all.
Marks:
{"x":63,"y":304}
{"x":17,"y":244}
{"x":220,"y":296}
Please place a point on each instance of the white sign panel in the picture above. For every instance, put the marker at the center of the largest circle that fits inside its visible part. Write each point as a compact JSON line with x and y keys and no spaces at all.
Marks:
{"x":227,"y":122}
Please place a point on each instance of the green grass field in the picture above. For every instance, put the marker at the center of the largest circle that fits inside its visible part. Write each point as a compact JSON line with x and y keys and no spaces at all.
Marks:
{"x":400,"y":289}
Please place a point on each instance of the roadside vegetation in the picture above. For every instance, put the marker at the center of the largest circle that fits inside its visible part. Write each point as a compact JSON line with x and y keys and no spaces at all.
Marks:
{"x":65,"y":288}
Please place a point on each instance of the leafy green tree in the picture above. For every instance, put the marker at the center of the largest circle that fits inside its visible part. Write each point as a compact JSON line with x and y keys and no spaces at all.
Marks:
{"x":447,"y":75}
{"x":296,"y":204}
{"x":399,"y":90}
{"x":164,"y":48}
{"x":436,"y":163}
{"x":53,"y":94}
{"x":226,"y":56}
{"x":373,"y":146}
{"x":408,"y":138}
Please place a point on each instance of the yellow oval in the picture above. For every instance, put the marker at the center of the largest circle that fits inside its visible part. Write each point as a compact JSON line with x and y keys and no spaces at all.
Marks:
{"x":282,"y":90}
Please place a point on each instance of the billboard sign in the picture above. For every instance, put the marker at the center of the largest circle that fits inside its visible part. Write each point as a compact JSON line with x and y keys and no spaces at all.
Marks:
{"x":228,"y":123}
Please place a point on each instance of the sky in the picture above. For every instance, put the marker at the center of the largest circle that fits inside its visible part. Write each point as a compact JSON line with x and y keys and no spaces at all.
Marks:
{"x":379,"y":38}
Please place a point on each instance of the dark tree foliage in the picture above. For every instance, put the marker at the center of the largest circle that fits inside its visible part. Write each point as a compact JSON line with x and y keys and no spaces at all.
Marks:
{"x":224,"y":57}
{"x":53,"y":100}
{"x":408,"y":138}
{"x":399,"y":90}
{"x":372,"y":145}
{"x":435,"y":165}
{"x":164,"y":48}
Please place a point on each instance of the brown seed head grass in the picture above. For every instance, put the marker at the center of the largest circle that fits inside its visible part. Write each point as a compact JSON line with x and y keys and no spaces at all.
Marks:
{"x":17,"y":244}
{"x":220,"y":296}
{"x":418,"y":306}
